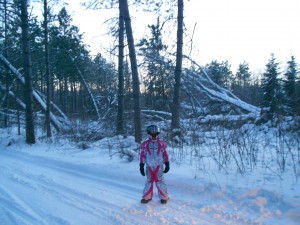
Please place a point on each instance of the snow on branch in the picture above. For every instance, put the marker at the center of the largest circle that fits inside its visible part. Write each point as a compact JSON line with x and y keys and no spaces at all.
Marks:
{"x":10,"y":93}
{"x":200,"y":80}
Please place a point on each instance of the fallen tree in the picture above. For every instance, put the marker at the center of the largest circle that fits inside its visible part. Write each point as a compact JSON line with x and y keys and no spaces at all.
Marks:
{"x":87,"y":87}
{"x":58,"y":124}
{"x":197,"y":80}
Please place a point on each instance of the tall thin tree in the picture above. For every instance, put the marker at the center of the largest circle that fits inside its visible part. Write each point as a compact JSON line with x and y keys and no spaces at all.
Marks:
{"x":120,"y":116}
{"x":289,"y":87}
{"x":5,"y":12}
{"x":135,"y":75}
{"x":241,"y":82}
{"x":175,"y":124}
{"x":271,"y":87}
{"x":30,"y":136}
{"x":47,"y":68}
{"x":157,"y":80}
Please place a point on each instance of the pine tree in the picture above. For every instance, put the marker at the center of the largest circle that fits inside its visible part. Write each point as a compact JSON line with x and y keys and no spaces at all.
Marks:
{"x":157,"y":78}
{"x":68,"y":54}
{"x":243,"y":74}
{"x":120,"y":116}
{"x":220,"y":73}
{"x":271,"y":88}
{"x":242,"y":81}
{"x":135,"y":75}
{"x":30,"y":136}
{"x":47,"y":68}
{"x":298,"y":94}
{"x":289,"y":87}
{"x":175,"y":122}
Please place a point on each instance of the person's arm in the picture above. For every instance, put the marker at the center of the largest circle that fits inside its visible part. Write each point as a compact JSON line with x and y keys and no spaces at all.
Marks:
{"x":142,"y":160}
{"x":165,"y":153}
{"x":166,"y":158}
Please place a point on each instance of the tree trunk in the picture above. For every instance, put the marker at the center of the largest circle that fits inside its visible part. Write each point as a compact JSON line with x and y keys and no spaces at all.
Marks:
{"x":135,"y":75}
{"x":48,"y":78}
{"x":175,"y":124}
{"x":65,"y":96}
{"x":120,"y":116}
{"x":5,"y":105}
{"x":30,"y":136}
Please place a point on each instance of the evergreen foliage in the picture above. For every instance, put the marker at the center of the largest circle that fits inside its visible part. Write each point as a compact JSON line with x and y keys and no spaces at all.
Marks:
{"x":289,"y":86}
{"x":158,"y":69}
{"x":243,"y":85}
{"x":271,"y":89}
{"x":67,"y":54}
{"x":220,"y":73}
{"x":75,"y":73}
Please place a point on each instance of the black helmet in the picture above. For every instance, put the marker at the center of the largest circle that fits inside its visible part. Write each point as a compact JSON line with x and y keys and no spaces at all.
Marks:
{"x":153,"y":130}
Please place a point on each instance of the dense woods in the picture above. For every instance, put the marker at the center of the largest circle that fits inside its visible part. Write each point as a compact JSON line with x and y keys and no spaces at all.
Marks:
{"x":64,"y":84}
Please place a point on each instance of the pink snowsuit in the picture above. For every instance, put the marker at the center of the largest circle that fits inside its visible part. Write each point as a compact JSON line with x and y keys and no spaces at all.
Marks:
{"x":154,"y":155}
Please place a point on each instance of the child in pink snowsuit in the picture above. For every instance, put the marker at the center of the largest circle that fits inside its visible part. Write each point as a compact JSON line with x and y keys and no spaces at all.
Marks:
{"x":154,"y":155}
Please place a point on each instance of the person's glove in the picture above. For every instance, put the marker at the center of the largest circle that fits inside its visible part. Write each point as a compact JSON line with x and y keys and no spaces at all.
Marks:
{"x":142,"y":170}
{"x":167,"y":167}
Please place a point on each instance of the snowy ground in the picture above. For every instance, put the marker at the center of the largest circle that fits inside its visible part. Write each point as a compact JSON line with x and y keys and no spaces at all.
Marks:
{"x":61,"y":184}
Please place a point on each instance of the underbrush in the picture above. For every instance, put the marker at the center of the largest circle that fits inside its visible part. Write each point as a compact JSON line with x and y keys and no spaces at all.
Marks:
{"x":246,"y":149}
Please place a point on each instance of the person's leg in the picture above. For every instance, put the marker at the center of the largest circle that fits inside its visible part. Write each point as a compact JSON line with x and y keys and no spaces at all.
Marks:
{"x":161,"y":185}
{"x":148,"y":189}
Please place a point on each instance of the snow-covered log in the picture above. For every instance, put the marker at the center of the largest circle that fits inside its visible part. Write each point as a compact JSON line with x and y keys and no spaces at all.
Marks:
{"x":228,"y":118}
{"x":159,"y":115}
{"x":11,"y":94}
{"x":54,"y":106}
{"x":56,"y":123}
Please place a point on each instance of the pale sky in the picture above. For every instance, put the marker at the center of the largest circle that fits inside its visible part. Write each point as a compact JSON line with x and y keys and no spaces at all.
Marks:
{"x":250,"y":30}
{"x":233,"y":30}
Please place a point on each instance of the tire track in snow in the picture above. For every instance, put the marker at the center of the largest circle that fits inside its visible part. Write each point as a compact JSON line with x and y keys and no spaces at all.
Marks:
{"x":13,"y":206}
{"x":75,"y":195}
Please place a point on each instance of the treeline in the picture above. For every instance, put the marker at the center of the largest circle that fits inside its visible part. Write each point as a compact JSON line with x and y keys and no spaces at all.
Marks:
{"x":79,"y":81}
{"x":68,"y":57}
{"x":276,"y":89}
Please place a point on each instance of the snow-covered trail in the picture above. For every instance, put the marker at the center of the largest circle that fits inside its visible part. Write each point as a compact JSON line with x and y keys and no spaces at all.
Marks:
{"x":40,"y":187}
{"x":39,"y":190}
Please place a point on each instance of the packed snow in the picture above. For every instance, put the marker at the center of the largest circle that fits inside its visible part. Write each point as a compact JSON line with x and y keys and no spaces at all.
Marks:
{"x":60,"y":183}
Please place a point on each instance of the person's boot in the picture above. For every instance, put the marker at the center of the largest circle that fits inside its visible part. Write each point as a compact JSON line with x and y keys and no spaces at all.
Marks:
{"x":144,"y":201}
{"x":163,"y":201}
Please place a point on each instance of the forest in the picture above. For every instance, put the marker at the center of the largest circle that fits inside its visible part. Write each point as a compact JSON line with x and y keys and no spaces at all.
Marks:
{"x":49,"y":79}
{"x":72,"y":122}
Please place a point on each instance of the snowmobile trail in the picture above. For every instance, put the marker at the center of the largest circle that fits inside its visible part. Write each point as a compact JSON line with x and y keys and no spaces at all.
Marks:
{"x":89,"y":194}
{"x":76,"y":188}
{"x":67,"y":189}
